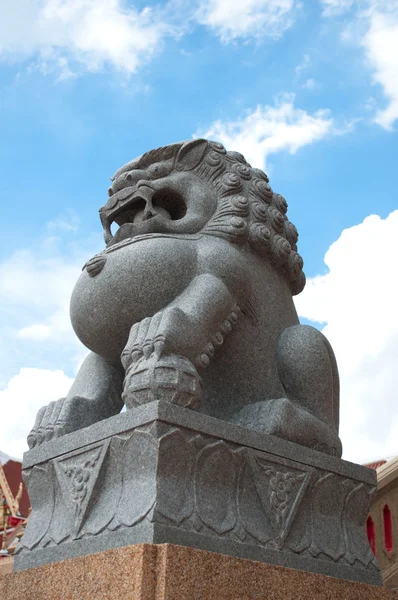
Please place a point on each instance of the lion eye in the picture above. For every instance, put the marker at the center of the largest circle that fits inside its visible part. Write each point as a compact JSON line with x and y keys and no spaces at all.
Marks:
{"x":158,"y":170}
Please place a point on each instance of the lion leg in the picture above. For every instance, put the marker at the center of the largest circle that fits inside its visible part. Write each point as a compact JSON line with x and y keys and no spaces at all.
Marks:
{"x":308,"y":371}
{"x":94,"y":395}
{"x":309,"y":414}
{"x":189,"y":330}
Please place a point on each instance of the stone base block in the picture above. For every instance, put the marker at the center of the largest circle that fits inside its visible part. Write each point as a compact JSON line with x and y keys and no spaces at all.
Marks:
{"x":165,"y":474}
{"x":6,"y":566}
{"x":169,"y":572}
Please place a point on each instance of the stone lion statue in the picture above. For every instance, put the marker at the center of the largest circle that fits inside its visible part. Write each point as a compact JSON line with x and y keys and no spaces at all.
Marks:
{"x":191,"y":302}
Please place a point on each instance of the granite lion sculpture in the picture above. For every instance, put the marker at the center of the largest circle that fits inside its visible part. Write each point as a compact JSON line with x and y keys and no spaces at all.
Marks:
{"x":191,"y":302}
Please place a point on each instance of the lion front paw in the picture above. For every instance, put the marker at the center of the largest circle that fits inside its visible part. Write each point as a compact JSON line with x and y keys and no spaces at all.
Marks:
{"x":61,"y":417}
{"x":153,"y":335}
{"x":48,"y":424}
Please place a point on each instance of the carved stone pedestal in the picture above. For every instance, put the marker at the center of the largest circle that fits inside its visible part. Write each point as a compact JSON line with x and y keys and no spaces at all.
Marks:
{"x":169,"y":572}
{"x":165,"y":474}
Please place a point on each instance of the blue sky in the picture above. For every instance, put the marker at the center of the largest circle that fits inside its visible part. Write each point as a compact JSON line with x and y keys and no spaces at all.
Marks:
{"x":307,"y":90}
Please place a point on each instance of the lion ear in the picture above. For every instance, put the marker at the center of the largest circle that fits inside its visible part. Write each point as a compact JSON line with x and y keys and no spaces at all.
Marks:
{"x":190,"y":155}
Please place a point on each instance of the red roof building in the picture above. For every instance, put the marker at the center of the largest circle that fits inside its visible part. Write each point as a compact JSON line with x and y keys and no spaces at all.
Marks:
{"x":13,"y":472}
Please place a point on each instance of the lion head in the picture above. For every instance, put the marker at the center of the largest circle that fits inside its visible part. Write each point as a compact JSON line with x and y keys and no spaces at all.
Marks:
{"x":199,"y":187}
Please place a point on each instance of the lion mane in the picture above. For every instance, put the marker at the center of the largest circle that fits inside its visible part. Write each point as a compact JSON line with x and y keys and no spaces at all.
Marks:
{"x":248,"y":211}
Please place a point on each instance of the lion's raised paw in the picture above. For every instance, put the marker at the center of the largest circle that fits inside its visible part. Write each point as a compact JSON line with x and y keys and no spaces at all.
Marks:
{"x":153,"y":335}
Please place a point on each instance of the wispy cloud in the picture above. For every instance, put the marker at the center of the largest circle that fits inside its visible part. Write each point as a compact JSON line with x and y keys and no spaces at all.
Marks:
{"x":374,"y":27}
{"x":268,"y":129}
{"x":69,"y":221}
{"x":309,"y":84}
{"x":303,"y":65}
{"x":381,"y":47}
{"x":333,"y":8}
{"x":247,"y":18}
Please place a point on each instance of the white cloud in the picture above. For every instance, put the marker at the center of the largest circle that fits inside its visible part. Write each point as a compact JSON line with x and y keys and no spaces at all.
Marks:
{"x":381,"y":46}
{"x":37,"y":336}
{"x":35,"y":292}
{"x":301,"y":69}
{"x":333,"y":8}
{"x":310,"y":84}
{"x":374,"y":27}
{"x":35,"y":332}
{"x":270,"y":129}
{"x":36,"y":285}
{"x":30,"y":277}
{"x":303,"y":66}
{"x":69,"y":221}
{"x":357,"y":301}
{"x":4,"y":458}
{"x":93,"y":34}
{"x":25,"y":394}
{"x":246,"y":18}
{"x":68,"y":37}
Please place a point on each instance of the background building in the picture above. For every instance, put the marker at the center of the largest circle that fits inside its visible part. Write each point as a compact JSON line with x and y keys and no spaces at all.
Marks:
{"x":382,"y":523}
{"x":14,"y":509}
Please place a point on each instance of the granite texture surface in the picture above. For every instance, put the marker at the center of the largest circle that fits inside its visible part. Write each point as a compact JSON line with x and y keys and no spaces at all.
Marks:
{"x":170,"y":572}
{"x":191,"y":302}
{"x":165,"y":474}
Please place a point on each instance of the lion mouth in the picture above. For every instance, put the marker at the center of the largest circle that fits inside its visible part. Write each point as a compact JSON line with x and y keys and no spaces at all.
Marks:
{"x":138,"y":210}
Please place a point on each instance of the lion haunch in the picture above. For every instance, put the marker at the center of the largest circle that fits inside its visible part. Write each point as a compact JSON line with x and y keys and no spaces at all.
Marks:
{"x":191,"y":303}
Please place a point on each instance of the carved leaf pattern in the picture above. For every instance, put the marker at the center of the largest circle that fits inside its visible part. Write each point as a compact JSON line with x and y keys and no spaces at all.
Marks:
{"x":251,"y":511}
{"x":215,"y":486}
{"x":176,"y":460}
{"x":356,"y":509}
{"x":40,"y":483}
{"x":328,"y":497}
{"x":139,"y":464}
{"x":212,"y":487}
{"x":102,"y":507}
